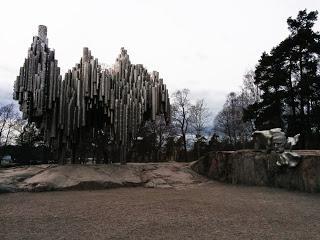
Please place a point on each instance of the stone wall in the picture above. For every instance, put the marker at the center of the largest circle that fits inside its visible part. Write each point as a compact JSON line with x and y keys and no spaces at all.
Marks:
{"x":259,"y":168}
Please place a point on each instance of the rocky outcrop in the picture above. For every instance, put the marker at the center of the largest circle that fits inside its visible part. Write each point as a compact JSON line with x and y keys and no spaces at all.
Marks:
{"x":89,"y":177}
{"x":259,"y":168}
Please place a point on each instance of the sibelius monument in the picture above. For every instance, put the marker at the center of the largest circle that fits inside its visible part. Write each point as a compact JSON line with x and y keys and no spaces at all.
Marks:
{"x":91,"y":105}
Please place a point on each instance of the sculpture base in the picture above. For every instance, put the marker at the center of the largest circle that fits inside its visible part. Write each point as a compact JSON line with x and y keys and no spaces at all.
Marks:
{"x":261,"y":169}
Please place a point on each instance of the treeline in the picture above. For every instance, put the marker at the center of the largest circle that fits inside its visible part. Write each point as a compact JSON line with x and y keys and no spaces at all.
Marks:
{"x":283,"y":90}
{"x":231,"y":129}
{"x":19,"y":139}
{"x":183,"y":139}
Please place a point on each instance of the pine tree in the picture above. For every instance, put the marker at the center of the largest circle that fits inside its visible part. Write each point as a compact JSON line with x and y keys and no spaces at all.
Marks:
{"x":305,"y":53}
{"x":289,"y":80}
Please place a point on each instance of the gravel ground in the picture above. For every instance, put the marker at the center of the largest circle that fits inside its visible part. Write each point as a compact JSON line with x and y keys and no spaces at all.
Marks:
{"x":208,"y":211}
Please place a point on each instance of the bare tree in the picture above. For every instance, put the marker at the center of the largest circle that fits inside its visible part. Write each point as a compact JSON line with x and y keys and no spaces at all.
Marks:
{"x":199,"y":117}
{"x":28,"y":134}
{"x":223,"y":124}
{"x":229,"y":121}
{"x":152,"y":139}
{"x":9,"y":121}
{"x":250,"y":91}
{"x":160,"y":130}
{"x":6,"y":113}
{"x":181,"y":113}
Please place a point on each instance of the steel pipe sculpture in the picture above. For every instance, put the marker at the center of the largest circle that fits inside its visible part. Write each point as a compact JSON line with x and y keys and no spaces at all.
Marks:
{"x":91,"y":102}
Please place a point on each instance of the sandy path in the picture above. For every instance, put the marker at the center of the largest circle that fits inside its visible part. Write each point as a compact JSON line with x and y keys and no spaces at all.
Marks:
{"x":209,"y":211}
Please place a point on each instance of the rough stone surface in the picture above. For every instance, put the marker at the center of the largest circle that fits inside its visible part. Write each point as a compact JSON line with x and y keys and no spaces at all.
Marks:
{"x":259,"y":168}
{"x":82,"y":177}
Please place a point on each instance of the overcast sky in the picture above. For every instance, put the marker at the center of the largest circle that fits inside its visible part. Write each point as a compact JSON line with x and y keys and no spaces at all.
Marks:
{"x":205,"y":46}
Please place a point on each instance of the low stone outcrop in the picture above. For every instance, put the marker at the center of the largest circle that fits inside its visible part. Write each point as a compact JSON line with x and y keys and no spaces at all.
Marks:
{"x":259,"y":168}
{"x":89,"y":177}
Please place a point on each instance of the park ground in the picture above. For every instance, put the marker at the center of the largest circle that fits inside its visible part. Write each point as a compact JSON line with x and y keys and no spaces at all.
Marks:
{"x":208,"y":210}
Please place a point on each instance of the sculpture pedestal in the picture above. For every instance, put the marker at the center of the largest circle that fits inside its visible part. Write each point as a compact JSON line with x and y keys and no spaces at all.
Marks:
{"x":261,"y":169}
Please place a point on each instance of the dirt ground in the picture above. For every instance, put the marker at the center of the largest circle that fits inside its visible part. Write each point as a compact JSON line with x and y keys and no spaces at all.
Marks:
{"x":210,"y":210}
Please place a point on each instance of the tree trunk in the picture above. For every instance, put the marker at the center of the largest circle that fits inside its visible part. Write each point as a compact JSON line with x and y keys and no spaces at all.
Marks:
{"x":185,"y":147}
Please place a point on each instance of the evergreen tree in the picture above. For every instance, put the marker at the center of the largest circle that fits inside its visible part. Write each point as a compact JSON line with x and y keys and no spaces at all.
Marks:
{"x":289,"y":81}
{"x":305,"y":53}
